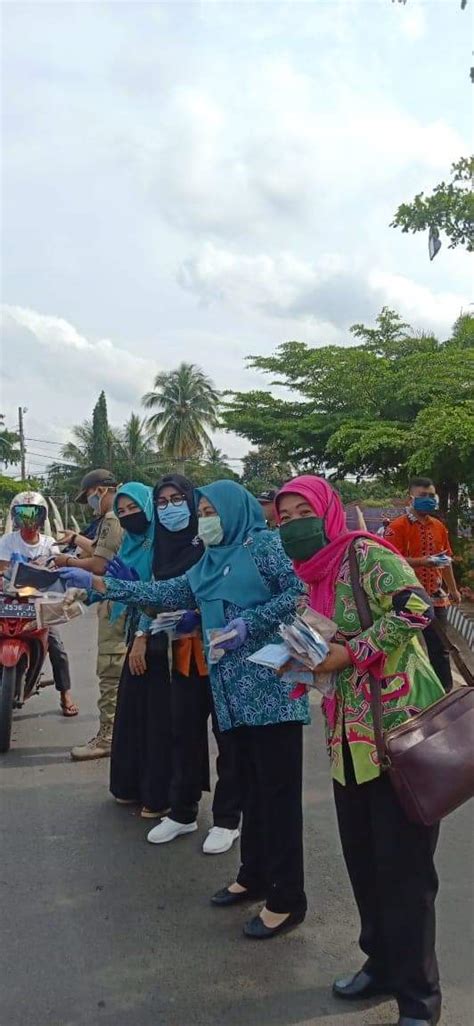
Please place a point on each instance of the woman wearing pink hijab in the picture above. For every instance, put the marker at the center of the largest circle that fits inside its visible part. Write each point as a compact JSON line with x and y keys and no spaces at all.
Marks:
{"x":389,"y":859}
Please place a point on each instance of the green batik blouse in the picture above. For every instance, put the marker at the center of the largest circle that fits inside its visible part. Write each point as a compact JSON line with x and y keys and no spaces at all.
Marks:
{"x":390,"y":649}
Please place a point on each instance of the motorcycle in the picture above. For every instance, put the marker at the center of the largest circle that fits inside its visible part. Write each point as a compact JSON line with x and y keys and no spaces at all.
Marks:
{"x":23,"y":650}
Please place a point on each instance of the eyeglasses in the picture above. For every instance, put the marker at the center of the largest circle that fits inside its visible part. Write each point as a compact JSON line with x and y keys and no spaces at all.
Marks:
{"x":175,"y":500}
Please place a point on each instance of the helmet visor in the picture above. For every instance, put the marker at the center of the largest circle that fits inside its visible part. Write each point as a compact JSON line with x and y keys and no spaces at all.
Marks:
{"x":29,"y":516}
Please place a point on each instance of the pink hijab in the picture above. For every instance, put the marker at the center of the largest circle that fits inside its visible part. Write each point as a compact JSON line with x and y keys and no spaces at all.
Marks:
{"x":321,"y":571}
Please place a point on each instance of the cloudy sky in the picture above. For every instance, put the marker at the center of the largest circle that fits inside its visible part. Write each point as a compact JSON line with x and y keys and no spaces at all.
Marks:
{"x":201,"y":181}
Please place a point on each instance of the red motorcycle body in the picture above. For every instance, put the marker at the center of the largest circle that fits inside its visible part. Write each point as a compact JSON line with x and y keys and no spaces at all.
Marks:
{"x":22,"y":643}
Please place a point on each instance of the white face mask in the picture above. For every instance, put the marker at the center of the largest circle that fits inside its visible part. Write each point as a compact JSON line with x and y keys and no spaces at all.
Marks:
{"x":210,"y":530}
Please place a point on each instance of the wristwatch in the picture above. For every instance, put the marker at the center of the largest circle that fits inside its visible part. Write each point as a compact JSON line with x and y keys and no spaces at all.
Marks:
{"x":140,"y":634}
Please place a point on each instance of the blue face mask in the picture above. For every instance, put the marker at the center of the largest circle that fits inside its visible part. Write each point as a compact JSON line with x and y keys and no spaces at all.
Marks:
{"x":425,"y":503}
{"x":175,"y":518}
{"x":94,"y":502}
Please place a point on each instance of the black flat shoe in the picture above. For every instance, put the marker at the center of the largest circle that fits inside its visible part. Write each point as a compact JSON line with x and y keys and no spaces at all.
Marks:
{"x":226,"y":898}
{"x":256,"y":929}
{"x":359,"y":987}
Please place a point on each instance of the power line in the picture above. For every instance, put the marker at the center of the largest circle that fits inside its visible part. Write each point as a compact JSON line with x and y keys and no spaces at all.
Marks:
{"x":44,"y":441}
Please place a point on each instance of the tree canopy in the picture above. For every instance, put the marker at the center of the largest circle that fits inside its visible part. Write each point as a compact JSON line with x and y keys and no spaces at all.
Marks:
{"x":449,"y":209}
{"x":186,"y":404}
{"x":370,"y":409}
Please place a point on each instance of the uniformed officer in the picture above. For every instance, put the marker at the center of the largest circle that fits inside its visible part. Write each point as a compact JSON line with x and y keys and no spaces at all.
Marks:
{"x":98,"y":491}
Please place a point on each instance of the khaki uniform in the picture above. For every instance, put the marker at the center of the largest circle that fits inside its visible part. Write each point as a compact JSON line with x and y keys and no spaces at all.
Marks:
{"x":111,"y":642}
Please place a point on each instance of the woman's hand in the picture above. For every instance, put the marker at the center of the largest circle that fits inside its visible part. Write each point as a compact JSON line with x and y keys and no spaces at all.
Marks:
{"x":137,"y":656}
{"x":338,"y":659}
{"x":120,"y":571}
{"x":75,"y":577}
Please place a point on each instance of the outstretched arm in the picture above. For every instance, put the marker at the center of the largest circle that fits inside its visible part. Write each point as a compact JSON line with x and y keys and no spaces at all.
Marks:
{"x":173,"y":594}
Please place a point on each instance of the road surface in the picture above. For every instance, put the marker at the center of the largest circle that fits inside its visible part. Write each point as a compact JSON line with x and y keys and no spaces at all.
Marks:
{"x":99,"y":928}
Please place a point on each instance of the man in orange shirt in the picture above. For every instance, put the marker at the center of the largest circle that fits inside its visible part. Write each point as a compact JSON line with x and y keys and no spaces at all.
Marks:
{"x":424,"y":542}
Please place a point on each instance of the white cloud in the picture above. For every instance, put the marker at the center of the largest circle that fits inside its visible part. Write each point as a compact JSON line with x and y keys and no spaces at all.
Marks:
{"x":328,"y":294}
{"x":435,"y":311}
{"x":413,"y":23}
{"x":253,"y":162}
{"x":85,"y":364}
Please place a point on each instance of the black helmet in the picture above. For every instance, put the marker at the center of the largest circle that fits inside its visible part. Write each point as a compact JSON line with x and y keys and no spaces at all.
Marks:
{"x":95,"y":479}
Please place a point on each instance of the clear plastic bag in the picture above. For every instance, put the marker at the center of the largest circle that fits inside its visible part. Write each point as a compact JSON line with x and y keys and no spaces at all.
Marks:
{"x":52,"y":610}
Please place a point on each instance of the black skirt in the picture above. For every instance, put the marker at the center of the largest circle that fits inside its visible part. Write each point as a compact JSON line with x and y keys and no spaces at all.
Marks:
{"x":141,"y":758}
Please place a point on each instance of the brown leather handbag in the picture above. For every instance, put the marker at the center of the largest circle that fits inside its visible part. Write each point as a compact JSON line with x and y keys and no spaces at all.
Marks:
{"x":430,"y":757}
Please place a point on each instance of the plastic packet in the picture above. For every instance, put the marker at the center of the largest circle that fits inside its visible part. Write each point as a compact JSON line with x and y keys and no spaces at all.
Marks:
{"x":52,"y":610}
{"x":166,"y":621}
{"x":215,"y":636}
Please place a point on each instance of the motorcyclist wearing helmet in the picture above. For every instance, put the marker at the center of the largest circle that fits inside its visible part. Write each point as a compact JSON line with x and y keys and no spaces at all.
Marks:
{"x":29,"y":514}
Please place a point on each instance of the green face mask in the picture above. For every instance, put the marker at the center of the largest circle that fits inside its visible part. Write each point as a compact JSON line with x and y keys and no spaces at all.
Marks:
{"x":302,"y":538}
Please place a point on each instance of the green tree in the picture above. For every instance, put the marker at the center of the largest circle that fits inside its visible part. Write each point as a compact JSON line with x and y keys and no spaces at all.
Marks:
{"x":102,"y":437}
{"x":263,"y":469}
{"x":363,"y":410}
{"x":9,"y":445}
{"x":186,"y":404}
{"x":9,"y":487}
{"x":133,"y":451}
{"x":449,"y":209}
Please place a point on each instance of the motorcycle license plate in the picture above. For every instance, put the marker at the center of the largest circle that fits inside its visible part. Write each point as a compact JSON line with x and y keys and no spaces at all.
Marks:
{"x":17,"y":611}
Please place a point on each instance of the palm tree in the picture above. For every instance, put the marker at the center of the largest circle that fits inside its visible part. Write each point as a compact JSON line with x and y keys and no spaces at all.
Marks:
{"x":135,"y":457}
{"x":80,"y":451}
{"x":186,"y":402}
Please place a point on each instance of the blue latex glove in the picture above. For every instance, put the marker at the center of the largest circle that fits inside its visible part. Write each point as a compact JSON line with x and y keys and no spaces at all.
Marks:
{"x":232,"y":644}
{"x":120,"y":571}
{"x":75,"y":577}
{"x":190,"y":621}
{"x":440,"y":560}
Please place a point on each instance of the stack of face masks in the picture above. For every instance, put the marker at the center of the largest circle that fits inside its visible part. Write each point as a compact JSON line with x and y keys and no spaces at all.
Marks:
{"x":166,"y":622}
{"x":303,"y":648}
{"x":441,"y":560}
{"x":215,"y":637}
{"x":52,"y":610}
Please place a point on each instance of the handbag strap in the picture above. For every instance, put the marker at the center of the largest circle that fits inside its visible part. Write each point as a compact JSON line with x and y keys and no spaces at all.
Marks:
{"x":366,"y":621}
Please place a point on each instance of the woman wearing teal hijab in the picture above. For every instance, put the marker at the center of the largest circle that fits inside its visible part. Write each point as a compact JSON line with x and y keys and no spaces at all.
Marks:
{"x":245,"y":581}
{"x":140,"y":764}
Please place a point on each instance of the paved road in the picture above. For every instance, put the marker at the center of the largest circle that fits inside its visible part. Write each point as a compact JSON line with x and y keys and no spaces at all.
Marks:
{"x":99,"y":928}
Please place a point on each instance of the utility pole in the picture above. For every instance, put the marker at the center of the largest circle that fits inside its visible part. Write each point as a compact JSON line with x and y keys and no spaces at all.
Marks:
{"x":21,"y":432}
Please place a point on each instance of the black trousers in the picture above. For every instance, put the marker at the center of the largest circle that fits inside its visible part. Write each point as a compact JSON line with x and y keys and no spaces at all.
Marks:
{"x":437,"y":651}
{"x":59,"y":661}
{"x":141,"y":756}
{"x":391,"y":868}
{"x":271,"y":761}
{"x":192,"y":704}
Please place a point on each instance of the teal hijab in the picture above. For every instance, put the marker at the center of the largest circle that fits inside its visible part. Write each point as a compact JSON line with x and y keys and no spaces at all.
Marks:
{"x":136,"y":550}
{"x":227,"y":572}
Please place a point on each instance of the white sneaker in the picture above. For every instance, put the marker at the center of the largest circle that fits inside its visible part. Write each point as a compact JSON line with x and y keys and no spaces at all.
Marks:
{"x":168,"y":829}
{"x":219,"y":840}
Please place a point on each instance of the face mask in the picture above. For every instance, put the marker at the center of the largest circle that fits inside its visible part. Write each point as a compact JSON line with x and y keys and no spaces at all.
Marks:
{"x":210,"y":530}
{"x":29,"y":533}
{"x":425,"y":503}
{"x":175,"y":518}
{"x":134,"y":523}
{"x":302,"y":538}
{"x":94,"y":502}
